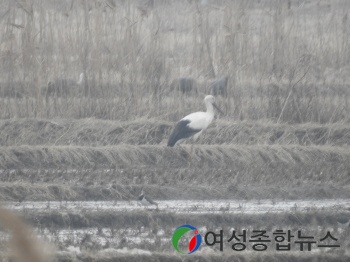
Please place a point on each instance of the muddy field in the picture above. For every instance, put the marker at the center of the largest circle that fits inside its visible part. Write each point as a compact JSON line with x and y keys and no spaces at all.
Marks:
{"x":74,"y":160}
{"x":76,"y":182}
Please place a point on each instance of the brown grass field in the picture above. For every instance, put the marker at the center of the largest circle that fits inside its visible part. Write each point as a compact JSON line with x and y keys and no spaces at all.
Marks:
{"x":284,"y":134}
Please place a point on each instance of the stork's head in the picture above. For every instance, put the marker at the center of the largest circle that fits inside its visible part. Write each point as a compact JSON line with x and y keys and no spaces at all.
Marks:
{"x":211,"y":100}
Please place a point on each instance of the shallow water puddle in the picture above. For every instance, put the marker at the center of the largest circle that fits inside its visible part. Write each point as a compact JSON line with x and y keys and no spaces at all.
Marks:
{"x":156,"y":239}
{"x":192,"y":206}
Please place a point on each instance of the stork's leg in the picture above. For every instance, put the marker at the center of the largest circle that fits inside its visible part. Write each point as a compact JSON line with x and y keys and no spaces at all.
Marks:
{"x":195,"y":137}
{"x":191,"y":153}
{"x":190,"y":157}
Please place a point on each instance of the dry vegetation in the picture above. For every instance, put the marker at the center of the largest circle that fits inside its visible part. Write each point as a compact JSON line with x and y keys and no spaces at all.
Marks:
{"x":285,"y":133}
{"x":286,"y":60}
{"x":96,"y":132}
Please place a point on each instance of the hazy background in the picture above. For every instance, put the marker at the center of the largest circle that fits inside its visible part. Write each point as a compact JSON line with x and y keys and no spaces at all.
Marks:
{"x":131,"y":52}
{"x":73,"y":159}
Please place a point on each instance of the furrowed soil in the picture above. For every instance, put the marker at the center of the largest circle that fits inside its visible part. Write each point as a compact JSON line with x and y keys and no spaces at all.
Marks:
{"x":51,"y":168}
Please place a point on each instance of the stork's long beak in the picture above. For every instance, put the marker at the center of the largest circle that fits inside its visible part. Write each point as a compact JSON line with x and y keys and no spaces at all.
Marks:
{"x":217,"y":108}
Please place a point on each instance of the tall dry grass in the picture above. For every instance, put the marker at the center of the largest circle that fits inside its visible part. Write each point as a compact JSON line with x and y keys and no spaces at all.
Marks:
{"x":286,"y":60}
{"x":97,"y":132}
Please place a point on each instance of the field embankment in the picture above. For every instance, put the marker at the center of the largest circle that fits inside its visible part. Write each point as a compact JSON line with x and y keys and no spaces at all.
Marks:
{"x":97,"y":159}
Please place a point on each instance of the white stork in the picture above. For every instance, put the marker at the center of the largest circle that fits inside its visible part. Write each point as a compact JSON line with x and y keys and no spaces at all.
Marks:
{"x":146,"y":201}
{"x":193,"y":124}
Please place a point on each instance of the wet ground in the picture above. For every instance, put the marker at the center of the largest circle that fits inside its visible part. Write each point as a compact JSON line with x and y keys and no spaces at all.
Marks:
{"x":192,"y":206}
{"x":157,"y":237}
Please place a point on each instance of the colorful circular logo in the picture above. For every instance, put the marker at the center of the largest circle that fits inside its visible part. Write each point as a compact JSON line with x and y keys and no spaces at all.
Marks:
{"x":193,"y":244}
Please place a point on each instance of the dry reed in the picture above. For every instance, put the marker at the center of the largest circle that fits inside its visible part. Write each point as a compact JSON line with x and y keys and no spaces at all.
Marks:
{"x":130,"y":52}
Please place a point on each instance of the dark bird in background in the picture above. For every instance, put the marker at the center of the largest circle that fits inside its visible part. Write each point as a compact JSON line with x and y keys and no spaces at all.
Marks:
{"x":187,"y":84}
{"x":193,"y":124}
{"x":218,"y":87}
{"x":184,"y":85}
{"x":63,"y":87}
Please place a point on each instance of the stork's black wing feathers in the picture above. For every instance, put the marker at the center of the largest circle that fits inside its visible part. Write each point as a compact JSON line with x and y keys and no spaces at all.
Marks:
{"x":181,"y":131}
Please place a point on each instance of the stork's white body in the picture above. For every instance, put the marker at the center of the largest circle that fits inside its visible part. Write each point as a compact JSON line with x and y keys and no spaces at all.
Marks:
{"x":199,"y":120}
{"x":193,"y":124}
